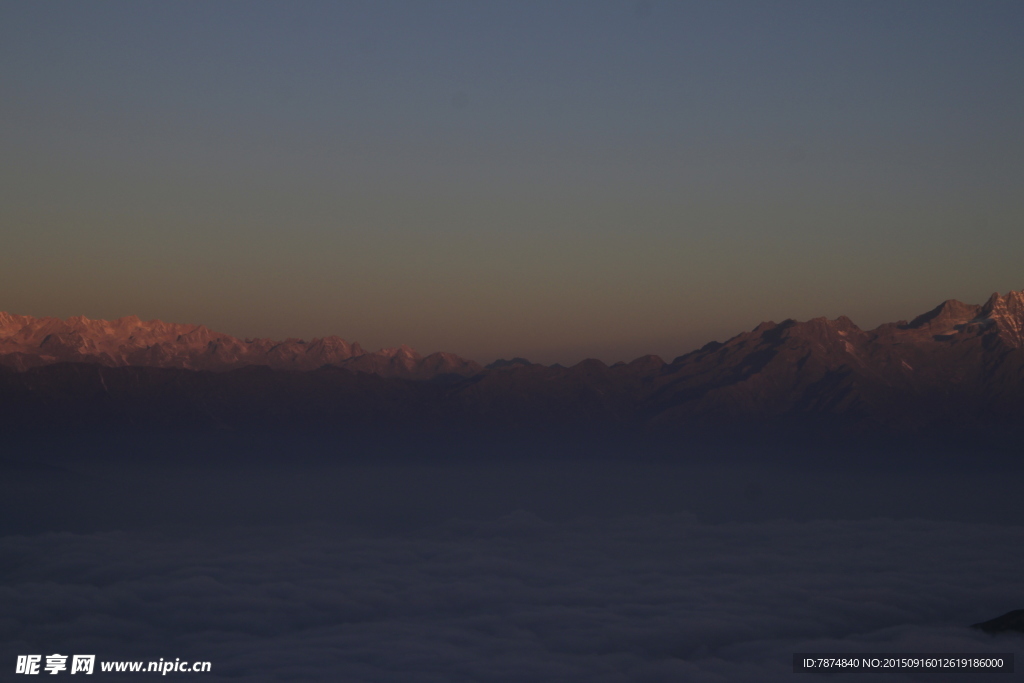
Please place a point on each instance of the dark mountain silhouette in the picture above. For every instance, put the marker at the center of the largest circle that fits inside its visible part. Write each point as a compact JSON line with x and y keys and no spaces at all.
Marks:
{"x":1011,"y":621}
{"x":504,"y":363}
{"x":956,"y":371}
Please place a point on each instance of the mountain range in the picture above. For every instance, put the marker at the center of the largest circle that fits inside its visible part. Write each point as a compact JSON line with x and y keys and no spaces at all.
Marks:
{"x":957,"y":369}
{"x":27,"y":342}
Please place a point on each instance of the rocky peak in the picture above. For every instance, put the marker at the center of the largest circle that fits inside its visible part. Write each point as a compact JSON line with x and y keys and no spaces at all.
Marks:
{"x":9,"y":324}
{"x":944,"y":318}
{"x":1006,"y":313}
{"x":404,"y":352}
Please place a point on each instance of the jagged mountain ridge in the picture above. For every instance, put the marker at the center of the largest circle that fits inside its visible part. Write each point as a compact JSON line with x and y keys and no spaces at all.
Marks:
{"x":958,"y":367}
{"x":949,"y":363}
{"x":27,"y":342}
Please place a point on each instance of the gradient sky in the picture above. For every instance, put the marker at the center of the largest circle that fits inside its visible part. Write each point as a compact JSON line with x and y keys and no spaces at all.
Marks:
{"x":554,"y":180}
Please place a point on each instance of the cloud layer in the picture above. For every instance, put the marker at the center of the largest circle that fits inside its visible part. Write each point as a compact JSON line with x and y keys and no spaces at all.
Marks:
{"x":626,"y":598}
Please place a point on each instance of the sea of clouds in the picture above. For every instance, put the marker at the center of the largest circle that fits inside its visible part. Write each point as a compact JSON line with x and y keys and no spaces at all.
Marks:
{"x":515,"y":597}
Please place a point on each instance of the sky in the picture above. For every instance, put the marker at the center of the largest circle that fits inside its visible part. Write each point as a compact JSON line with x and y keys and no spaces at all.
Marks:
{"x":555,"y":180}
